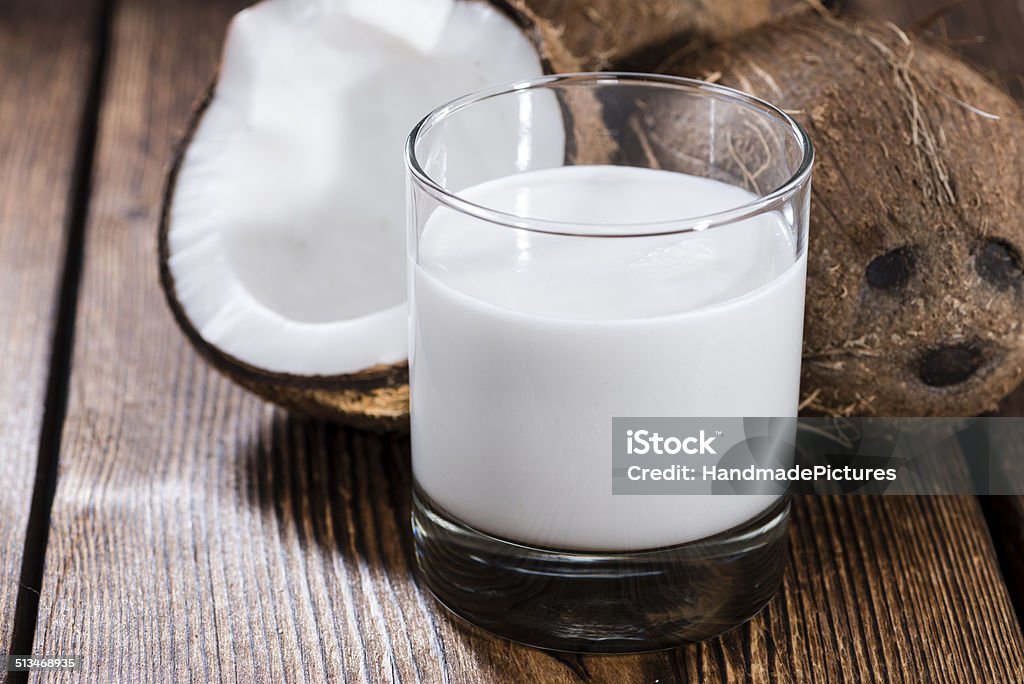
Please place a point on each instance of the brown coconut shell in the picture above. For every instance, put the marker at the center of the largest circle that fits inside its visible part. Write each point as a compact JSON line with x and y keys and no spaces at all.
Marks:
{"x":915,"y":293}
{"x":569,"y":37}
{"x":631,"y":35}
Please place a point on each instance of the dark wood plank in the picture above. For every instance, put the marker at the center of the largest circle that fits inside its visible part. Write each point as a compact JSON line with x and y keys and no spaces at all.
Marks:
{"x":987,"y":32}
{"x":197,"y":533}
{"x":46,"y":56}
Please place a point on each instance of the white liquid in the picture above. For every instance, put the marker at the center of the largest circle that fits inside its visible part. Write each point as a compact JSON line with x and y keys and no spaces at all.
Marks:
{"x":524,"y":346}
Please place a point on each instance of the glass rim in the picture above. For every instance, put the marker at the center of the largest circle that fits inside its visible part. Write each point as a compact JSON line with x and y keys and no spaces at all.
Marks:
{"x":682,"y":224}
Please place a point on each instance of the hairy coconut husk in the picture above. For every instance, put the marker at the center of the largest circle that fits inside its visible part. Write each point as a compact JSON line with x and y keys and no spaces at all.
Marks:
{"x":629,"y":35}
{"x":915,"y":292}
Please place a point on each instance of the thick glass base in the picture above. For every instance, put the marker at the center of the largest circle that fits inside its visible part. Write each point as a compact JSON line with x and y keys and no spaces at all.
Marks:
{"x":601,"y":602}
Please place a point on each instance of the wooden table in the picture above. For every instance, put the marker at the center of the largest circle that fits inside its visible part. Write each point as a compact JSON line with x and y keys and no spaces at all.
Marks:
{"x":168,"y":526}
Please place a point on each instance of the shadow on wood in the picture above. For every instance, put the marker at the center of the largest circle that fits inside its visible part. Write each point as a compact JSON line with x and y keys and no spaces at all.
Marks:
{"x":343,"y":489}
{"x":348,"y":493}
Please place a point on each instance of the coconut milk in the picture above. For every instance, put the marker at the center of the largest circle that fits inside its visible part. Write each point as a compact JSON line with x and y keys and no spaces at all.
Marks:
{"x":525,"y":345}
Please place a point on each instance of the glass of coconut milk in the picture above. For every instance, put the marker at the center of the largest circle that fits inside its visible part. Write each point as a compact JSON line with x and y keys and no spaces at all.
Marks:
{"x":583,"y":247}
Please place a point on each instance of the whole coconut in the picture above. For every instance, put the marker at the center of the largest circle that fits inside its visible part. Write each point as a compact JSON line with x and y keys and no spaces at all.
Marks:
{"x":915,"y":293}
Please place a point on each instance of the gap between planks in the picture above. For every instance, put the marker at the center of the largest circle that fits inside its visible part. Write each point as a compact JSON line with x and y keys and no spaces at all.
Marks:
{"x":62,"y":344}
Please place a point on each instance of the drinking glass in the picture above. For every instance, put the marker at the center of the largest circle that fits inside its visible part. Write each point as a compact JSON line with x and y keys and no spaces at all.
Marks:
{"x":585,"y":247}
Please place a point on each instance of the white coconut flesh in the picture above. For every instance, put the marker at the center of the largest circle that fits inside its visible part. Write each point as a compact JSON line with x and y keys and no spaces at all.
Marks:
{"x":286,"y":239}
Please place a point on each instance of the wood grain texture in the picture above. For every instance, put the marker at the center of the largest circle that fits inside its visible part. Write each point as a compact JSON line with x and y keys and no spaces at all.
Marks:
{"x":46,"y":54}
{"x":198,"y":534}
{"x":987,"y":32}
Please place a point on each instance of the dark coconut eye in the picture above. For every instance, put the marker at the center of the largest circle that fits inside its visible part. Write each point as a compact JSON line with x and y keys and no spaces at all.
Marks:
{"x":998,"y":264}
{"x":892,"y":270}
{"x":949,"y":365}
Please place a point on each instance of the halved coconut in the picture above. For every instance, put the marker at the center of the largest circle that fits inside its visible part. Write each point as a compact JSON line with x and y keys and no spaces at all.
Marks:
{"x":282,"y":237}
